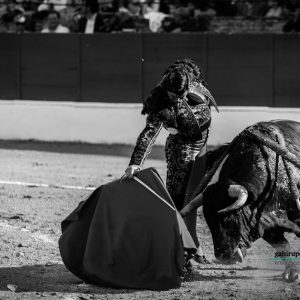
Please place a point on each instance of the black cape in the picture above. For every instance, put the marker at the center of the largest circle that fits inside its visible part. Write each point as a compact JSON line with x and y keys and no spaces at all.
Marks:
{"x":127,"y":236}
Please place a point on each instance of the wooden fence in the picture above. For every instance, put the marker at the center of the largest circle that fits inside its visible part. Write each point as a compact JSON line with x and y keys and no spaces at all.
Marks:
{"x":241,"y":69}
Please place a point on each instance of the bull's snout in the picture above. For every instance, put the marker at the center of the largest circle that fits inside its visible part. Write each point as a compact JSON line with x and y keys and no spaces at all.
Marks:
{"x":225,"y":260}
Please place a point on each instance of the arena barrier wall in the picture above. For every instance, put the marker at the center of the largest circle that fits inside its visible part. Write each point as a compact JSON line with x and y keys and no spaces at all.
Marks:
{"x":89,"y":88}
{"x":242,"y":70}
{"x":114,"y":123}
{"x":50,"y":67}
{"x":10,"y":77}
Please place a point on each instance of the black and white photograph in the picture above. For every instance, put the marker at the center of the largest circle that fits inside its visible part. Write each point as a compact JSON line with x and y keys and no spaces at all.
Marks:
{"x":149,"y":149}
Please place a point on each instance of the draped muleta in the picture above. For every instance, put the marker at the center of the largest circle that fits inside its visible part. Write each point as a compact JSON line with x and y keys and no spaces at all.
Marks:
{"x":127,"y":234}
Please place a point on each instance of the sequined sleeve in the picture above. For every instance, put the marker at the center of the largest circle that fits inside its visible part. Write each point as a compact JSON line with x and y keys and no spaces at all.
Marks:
{"x":146,"y":140}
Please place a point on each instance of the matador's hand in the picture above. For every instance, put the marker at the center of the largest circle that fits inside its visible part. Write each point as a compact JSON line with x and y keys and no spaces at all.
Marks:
{"x":131,"y":170}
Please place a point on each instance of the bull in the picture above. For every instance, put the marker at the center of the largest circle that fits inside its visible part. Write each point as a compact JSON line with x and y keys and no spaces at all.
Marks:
{"x":251,"y":190}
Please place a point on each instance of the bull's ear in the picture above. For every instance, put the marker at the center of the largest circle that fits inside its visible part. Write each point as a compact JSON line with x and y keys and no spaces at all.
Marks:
{"x":239,"y":192}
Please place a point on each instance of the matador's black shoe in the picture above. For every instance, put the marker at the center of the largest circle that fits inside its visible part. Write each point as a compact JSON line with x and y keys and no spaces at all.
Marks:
{"x":188,"y":270}
{"x":201,"y":259}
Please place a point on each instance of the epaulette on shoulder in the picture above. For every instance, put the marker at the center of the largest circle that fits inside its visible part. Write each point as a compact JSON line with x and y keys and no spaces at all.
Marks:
{"x":200,"y":91}
{"x":198,"y":97}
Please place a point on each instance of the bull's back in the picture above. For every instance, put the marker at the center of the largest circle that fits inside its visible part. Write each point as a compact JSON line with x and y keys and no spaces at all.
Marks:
{"x":291,"y":134}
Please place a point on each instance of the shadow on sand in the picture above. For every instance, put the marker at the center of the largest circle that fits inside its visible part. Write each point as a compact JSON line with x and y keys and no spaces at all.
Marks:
{"x":57,"y":279}
{"x":49,"y":279}
{"x":201,"y":277}
{"x":78,"y":148}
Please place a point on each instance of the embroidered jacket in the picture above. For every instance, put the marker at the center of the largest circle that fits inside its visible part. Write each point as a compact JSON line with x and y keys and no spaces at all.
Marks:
{"x":188,"y":118}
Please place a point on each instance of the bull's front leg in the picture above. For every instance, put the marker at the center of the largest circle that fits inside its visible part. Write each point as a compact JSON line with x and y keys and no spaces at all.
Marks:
{"x":279,"y":242}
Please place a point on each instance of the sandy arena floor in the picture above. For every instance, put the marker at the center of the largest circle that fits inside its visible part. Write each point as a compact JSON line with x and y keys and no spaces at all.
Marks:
{"x":30,"y":264}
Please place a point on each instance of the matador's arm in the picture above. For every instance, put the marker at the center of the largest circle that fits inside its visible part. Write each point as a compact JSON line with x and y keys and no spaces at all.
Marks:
{"x":146,"y":140}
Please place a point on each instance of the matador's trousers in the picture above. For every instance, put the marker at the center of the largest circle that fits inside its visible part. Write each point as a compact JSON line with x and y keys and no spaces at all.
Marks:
{"x":180,"y":156}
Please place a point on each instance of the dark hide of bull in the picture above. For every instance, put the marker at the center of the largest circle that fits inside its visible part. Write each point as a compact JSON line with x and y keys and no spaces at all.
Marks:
{"x":264,"y":159}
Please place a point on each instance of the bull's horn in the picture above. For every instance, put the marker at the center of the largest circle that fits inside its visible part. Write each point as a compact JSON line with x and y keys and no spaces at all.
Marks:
{"x":236,"y":191}
{"x":298,"y":203}
{"x":194,"y":204}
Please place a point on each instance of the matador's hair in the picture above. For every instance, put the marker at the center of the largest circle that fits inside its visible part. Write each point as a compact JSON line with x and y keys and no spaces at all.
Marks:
{"x":177,"y":78}
{"x":189,"y":66}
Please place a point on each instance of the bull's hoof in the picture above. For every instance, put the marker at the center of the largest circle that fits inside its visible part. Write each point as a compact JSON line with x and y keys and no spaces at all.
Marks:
{"x":291,"y":274}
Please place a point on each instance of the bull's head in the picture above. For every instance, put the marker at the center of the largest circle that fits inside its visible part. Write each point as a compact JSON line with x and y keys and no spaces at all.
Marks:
{"x":222,"y":205}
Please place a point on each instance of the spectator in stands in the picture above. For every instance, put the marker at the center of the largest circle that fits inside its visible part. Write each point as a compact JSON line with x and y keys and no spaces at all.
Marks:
{"x":204,"y":8}
{"x":70,"y":15}
{"x":89,"y":22}
{"x":30,"y":6}
{"x":243,"y":8}
{"x":13,"y":7}
{"x":46,"y":5}
{"x":164,"y":6}
{"x":8,"y":24}
{"x":204,"y":13}
{"x":225,"y":8}
{"x":154,"y":16}
{"x":293,"y":23}
{"x":180,"y":10}
{"x":259,"y":8}
{"x":7,"y":15}
{"x":13,"y":17}
{"x":188,"y":21}
{"x":95,"y":18}
{"x":53,"y":23}
{"x":292,"y":5}
{"x":20,"y":23}
{"x":168,"y":24}
{"x":108,"y":12}
{"x":37,"y":21}
{"x":291,"y":8}
{"x":183,"y":16}
{"x":109,"y":6}
{"x":129,"y":17}
{"x":275,"y":9}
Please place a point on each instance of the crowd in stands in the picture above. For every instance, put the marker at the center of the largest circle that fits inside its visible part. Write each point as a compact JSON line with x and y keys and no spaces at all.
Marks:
{"x":93,"y":16}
